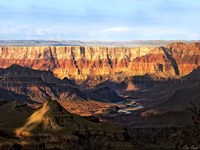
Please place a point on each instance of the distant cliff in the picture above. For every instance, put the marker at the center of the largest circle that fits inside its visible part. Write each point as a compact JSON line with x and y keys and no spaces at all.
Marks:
{"x":79,"y":63}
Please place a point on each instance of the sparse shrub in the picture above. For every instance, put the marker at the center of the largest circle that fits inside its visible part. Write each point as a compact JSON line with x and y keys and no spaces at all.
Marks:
{"x":190,"y":136}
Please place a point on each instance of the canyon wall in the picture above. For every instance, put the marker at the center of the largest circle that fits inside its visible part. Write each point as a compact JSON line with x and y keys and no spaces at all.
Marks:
{"x":79,"y":63}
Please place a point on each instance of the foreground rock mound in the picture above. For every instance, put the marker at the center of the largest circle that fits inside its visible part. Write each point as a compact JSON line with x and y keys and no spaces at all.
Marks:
{"x":52,"y":125}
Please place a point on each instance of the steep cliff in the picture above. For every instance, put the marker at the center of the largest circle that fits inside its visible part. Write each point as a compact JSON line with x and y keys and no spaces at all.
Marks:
{"x":186,"y":56}
{"x":73,"y":62}
{"x":79,"y":63}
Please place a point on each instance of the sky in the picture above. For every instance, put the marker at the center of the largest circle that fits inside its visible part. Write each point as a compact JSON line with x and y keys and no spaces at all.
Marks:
{"x":100,"y":19}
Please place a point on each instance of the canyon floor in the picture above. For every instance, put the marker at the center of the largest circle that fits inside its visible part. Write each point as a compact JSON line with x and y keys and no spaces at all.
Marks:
{"x":97,"y":97}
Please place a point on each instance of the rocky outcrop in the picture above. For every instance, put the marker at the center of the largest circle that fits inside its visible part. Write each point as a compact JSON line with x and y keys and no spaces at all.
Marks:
{"x":51,"y":126}
{"x":177,"y":59}
{"x":187,"y":57}
{"x":29,"y":85}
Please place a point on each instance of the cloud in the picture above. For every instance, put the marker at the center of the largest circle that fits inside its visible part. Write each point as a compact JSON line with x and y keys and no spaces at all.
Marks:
{"x":144,"y":33}
{"x":154,"y":30}
{"x":118,"y":29}
{"x":194,"y":36}
{"x":98,"y":33}
{"x":23,"y":29}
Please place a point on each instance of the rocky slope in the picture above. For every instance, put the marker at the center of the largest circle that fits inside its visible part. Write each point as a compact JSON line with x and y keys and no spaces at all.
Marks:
{"x":165,"y":114}
{"x":79,"y":63}
{"x":29,"y":85}
{"x":53,"y":126}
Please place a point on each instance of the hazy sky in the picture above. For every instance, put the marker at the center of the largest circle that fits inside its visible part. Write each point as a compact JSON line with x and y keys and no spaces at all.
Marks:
{"x":100,"y":19}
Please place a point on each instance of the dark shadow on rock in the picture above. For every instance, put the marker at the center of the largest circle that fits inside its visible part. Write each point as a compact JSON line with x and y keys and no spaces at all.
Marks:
{"x":173,"y":61}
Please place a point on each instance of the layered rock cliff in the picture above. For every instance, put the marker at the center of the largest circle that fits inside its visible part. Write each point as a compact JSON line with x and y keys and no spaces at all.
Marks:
{"x":79,"y":63}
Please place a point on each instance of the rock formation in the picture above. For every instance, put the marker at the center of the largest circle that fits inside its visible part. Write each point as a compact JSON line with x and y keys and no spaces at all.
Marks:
{"x":79,"y":63}
{"x":52,"y":125}
{"x":162,"y":79}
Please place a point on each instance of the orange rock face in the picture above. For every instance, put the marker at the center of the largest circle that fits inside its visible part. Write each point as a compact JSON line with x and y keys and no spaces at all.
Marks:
{"x":186,"y":56}
{"x":79,"y":63}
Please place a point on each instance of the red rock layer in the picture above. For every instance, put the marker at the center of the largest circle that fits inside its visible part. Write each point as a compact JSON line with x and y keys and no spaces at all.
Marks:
{"x":186,"y":56}
{"x":76,"y":62}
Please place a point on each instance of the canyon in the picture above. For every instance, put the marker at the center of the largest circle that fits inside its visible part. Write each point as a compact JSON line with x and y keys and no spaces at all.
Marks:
{"x":75,"y":94}
{"x":80,"y":63}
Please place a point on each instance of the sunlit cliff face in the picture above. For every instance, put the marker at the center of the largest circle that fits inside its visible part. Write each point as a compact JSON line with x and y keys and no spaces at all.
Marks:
{"x":79,"y":63}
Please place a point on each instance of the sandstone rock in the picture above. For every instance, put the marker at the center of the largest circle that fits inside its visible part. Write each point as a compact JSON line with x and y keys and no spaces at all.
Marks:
{"x":80,"y":63}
